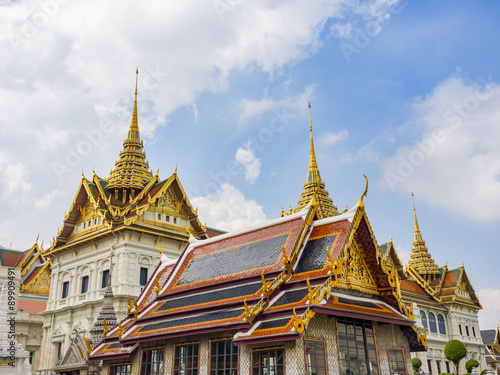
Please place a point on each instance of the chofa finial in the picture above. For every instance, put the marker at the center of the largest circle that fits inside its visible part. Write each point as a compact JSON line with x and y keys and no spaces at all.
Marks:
{"x":365,"y":193}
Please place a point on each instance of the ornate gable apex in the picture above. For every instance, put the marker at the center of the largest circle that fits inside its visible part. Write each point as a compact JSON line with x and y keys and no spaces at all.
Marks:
{"x":75,"y":357}
{"x":463,"y":289}
{"x":390,"y":257}
{"x":39,"y":283}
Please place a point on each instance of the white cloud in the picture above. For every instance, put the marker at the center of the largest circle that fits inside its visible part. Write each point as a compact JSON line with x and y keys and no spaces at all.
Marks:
{"x":252,"y":108}
{"x":489,"y":316}
{"x":403,"y":254}
{"x":331,"y":138}
{"x":245,"y":156}
{"x":15,"y":185}
{"x":456,"y":155}
{"x":44,"y":203}
{"x":340,"y":30}
{"x":65,"y":69}
{"x":229,"y":209}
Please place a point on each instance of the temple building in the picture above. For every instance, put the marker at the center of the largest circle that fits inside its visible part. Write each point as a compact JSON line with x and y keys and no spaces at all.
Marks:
{"x":491,"y":340}
{"x":302,"y":294}
{"x":134,"y":216}
{"x":30,"y":272}
{"x":444,"y":302}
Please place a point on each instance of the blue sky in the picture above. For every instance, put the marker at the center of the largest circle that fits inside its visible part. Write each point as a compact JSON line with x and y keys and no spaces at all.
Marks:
{"x":406,"y":92}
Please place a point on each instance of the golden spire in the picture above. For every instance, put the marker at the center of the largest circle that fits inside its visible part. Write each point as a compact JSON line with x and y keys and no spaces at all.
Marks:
{"x":131,"y":172}
{"x":420,"y":259}
{"x":312,"y":159}
{"x":133,"y":133}
{"x":314,"y":187}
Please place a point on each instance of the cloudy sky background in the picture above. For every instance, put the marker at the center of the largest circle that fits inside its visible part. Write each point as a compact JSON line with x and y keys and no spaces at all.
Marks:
{"x":407,"y":92}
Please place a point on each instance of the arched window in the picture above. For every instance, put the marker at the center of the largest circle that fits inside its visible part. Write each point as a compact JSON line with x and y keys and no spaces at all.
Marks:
{"x":441,"y":325}
{"x":424,"y":318}
{"x":432,"y":323}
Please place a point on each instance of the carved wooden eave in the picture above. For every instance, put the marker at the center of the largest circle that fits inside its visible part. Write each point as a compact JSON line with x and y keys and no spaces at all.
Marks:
{"x":432,"y":291}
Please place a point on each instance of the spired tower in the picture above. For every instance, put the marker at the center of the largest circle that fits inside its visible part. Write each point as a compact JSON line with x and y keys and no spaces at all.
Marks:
{"x":420,"y":260}
{"x":132,"y":214}
{"x":314,"y":186}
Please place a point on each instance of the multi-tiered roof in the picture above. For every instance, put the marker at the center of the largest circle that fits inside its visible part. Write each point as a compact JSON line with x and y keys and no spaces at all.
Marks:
{"x":265,"y":284}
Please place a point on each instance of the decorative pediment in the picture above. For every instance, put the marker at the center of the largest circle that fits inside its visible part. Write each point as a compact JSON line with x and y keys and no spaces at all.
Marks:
{"x":356,"y":274}
{"x":40,"y":284}
{"x":76,"y":356}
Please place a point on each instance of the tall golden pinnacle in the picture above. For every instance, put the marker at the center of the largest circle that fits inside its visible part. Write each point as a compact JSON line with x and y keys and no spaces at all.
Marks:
{"x":131,"y":172}
{"x":420,"y":259}
{"x":314,"y":187}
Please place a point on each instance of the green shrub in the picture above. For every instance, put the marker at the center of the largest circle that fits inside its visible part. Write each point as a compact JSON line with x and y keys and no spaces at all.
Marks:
{"x":484,"y":372}
{"x":445,"y":373}
{"x":470,"y":364}
{"x":455,"y":351}
{"x":416,"y":363}
{"x":415,"y":372}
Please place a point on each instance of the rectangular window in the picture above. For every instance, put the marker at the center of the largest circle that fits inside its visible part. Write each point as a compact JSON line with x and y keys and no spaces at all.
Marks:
{"x":438,"y":364}
{"x":167,"y":218}
{"x":123,"y":369}
{"x":65,"y":289}
{"x":152,"y":362}
{"x":429,"y":366}
{"x":31,"y":357}
{"x":143,"y":279}
{"x":460,"y":329}
{"x":448,"y":367}
{"x":358,"y":354}
{"x":159,"y":216}
{"x":473,"y":332}
{"x":59,"y":350}
{"x":175,"y":220}
{"x":223,"y":358}
{"x":315,"y":357}
{"x":267,"y":362}
{"x":85,"y":284}
{"x":105,"y":278}
{"x":467,"y":330}
{"x":186,"y":359}
{"x":396,"y":361}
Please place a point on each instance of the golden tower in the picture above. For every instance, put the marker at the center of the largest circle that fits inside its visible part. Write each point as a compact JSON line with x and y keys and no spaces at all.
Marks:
{"x":420,"y":259}
{"x":131,"y":171}
{"x":314,"y":186}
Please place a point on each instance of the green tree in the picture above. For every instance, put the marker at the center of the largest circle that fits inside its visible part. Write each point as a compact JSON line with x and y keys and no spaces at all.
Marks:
{"x":455,"y":351}
{"x":470,"y":364}
{"x":416,"y":363}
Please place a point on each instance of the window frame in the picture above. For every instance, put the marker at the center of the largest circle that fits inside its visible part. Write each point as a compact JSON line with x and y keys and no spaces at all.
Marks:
{"x":315,"y":340}
{"x":432,"y":322}
{"x":429,"y":366}
{"x":460,"y":329}
{"x":86,"y":277}
{"x":188,"y":371}
{"x":438,"y":365}
{"x":423,"y":317}
{"x":162,"y":362}
{"x":104,"y":284}
{"x":215,"y":371}
{"x":274,"y":349}
{"x":140,"y":275}
{"x":65,"y":290}
{"x":467,"y":331}
{"x":441,"y":324}
{"x":368,"y":362}
{"x":473,"y":331}
{"x":113,"y":365}
{"x":402,"y":351}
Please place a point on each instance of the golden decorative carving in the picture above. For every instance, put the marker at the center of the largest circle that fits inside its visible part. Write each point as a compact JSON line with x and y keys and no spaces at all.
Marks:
{"x":106,"y":329}
{"x":168,"y":200}
{"x":157,"y":286}
{"x":89,"y":347}
{"x":120,"y":330}
{"x":136,"y":309}
{"x":266,"y":286}
{"x":301,"y":324}
{"x":130,"y":304}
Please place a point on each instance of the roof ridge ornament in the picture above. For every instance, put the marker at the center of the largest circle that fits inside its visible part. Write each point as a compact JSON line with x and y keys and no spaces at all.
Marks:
{"x":361,"y":204}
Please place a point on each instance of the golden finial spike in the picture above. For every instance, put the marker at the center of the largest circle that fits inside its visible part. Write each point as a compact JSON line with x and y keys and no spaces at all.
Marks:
{"x":134,"y":125}
{"x":161,"y":251}
{"x":312,"y":161}
{"x":417,"y":229}
{"x":365,"y":193}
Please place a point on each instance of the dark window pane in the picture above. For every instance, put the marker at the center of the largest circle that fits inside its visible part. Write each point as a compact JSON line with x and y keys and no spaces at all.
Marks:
{"x":85,"y":284}
{"x":105,"y":278}
{"x":143,"y":279}
{"x":432,"y":323}
{"x":65,"y":289}
{"x":441,"y":325}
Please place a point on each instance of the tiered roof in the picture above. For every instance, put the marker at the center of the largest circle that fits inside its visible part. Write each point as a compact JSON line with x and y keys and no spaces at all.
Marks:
{"x":424,"y":282}
{"x":420,"y":259}
{"x":265,"y":284}
{"x":120,"y":200}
